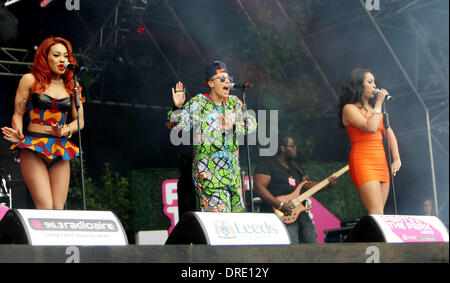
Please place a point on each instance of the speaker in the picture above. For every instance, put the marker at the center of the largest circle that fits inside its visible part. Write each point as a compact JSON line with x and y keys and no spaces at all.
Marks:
{"x":213,"y":228}
{"x":398,"y":229}
{"x":61,"y":228}
{"x":10,"y":171}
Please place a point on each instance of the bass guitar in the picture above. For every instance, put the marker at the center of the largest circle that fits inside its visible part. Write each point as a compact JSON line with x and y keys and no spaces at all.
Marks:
{"x":295,"y":199}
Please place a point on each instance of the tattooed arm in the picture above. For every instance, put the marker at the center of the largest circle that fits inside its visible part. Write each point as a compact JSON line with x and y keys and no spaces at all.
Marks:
{"x":15,"y":133}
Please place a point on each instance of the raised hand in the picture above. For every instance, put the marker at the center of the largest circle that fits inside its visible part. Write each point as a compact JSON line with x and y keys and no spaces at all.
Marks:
{"x":178,"y":95}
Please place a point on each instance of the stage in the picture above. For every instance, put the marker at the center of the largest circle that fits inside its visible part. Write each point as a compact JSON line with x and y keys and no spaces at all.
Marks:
{"x":304,"y":253}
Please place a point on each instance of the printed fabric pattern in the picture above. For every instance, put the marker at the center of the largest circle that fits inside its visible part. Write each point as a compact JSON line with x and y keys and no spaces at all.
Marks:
{"x":45,"y":110}
{"x":216,"y":170}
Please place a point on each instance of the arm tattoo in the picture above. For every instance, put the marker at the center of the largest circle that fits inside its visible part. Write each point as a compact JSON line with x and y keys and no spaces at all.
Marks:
{"x":23,"y":105}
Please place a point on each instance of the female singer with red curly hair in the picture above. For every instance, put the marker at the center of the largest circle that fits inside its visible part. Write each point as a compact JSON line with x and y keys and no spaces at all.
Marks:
{"x":47,"y":95}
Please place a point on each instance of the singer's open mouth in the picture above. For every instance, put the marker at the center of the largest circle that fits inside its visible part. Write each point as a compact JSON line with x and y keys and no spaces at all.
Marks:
{"x":61,"y":66}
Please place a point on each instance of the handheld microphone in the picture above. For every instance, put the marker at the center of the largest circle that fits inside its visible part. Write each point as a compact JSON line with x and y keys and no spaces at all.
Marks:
{"x":75,"y":68}
{"x":241,"y":86}
{"x":388,"y":97}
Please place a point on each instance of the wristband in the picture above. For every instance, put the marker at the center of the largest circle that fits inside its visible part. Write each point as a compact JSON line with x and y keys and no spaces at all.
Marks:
{"x":376,"y":111}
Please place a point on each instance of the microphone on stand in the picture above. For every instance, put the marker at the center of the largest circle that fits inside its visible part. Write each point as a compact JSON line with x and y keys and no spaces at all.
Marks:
{"x":241,"y":86}
{"x":75,"y":68}
{"x":388,"y":97}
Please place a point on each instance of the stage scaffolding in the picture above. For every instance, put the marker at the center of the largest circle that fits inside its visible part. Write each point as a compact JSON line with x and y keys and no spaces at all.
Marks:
{"x":428,"y":83}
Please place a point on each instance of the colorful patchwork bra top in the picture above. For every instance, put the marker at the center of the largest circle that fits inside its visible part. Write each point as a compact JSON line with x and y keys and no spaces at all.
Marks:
{"x":46,"y":110}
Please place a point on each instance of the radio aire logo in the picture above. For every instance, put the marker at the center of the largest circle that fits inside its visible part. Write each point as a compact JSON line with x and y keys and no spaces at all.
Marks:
{"x":224,"y":230}
{"x":80,"y":225}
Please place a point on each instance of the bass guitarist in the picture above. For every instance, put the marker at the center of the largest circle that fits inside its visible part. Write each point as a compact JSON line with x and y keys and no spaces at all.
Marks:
{"x":280,"y":175}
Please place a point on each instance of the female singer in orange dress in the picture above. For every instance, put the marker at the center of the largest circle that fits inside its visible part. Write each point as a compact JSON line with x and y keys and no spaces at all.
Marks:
{"x":363,"y":122}
{"x":46,"y":94}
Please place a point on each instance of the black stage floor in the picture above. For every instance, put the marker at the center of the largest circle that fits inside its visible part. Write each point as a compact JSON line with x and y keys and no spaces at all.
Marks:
{"x":304,"y":253}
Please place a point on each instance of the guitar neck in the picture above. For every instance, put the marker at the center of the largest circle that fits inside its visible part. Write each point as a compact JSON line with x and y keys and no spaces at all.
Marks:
{"x":319,"y":186}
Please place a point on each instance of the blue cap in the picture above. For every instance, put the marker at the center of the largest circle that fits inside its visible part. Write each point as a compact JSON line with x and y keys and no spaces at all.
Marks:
{"x":215,"y":67}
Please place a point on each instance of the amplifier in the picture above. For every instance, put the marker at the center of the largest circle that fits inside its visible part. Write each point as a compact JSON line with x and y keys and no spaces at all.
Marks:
{"x":10,"y":171}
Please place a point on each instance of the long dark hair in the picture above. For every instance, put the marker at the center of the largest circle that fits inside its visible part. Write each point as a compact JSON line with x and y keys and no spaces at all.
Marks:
{"x":352,"y":90}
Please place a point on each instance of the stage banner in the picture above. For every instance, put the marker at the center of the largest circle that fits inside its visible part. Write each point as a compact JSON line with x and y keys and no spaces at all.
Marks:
{"x":72,"y":227}
{"x":322,"y":218}
{"x":170,"y":201}
{"x":3,"y":210}
{"x":411,"y":228}
{"x":243,"y":228}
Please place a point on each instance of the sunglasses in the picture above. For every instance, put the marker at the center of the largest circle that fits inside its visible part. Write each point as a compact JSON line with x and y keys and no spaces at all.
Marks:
{"x":223,"y":78}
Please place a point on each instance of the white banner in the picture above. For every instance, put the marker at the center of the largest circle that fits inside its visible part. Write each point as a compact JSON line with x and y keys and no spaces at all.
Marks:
{"x":72,"y":227}
{"x":243,"y":228}
{"x":411,"y":228}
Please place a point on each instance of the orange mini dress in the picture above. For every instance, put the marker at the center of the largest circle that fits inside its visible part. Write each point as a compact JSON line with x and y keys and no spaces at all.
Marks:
{"x":367,"y":160}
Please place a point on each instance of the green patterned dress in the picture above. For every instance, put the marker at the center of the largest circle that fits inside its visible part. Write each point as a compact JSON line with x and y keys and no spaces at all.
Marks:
{"x":215,"y":170}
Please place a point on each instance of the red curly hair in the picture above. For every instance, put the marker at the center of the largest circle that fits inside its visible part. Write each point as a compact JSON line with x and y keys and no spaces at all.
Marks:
{"x":42,"y":73}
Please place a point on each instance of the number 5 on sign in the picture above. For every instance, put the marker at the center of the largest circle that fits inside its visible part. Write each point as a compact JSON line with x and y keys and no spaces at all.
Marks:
{"x":372,"y":5}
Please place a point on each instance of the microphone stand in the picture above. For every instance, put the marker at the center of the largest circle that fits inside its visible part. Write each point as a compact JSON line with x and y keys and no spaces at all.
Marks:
{"x":77,"y":107}
{"x":250,"y":181}
{"x":389,"y":157}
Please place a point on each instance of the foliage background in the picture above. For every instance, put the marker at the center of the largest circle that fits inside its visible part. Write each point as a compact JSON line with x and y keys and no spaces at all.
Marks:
{"x":137,"y":199}
{"x":268,"y":52}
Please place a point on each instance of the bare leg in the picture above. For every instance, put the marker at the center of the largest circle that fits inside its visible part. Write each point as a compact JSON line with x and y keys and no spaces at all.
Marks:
{"x":384,"y":192}
{"x":35,"y":175}
{"x":59,"y":180}
{"x":371,"y":197}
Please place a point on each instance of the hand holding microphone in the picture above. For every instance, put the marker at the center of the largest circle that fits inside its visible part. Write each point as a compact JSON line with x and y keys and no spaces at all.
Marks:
{"x":382,"y":94}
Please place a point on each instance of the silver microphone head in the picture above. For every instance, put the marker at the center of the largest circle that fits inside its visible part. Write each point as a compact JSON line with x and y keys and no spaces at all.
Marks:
{"x":376,"y":91}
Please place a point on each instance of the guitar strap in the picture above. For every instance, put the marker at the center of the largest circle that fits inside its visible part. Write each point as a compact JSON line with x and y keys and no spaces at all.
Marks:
{"x":299,"y":170}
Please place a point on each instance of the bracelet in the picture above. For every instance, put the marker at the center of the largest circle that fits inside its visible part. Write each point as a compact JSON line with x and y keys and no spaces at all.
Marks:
{"x":70,"y":131}
{"x":281,"y":205}
{"x":376,"y":111}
